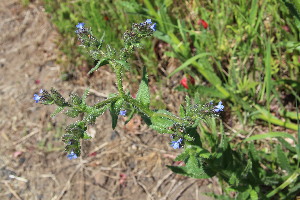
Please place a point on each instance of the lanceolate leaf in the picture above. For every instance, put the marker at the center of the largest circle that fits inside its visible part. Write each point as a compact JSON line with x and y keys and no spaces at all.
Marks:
{"x":125,"y":64}
{"x":270,"y":135}
{"x":57,"y":110}
{"x":143,"y":94}
{"x":114,"y":111}
{"x":100,"y":63}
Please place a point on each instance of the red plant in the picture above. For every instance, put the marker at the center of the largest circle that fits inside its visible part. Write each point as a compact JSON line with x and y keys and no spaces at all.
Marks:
{"x":204,"y":23}
{"x":184,"y":81}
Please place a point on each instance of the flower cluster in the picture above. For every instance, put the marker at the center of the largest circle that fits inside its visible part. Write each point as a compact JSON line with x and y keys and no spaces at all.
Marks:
{"x":50,"y":98}
{"x":194,"y":114}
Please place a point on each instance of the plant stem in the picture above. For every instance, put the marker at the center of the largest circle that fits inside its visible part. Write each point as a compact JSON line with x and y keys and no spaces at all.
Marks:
{"x":107,"y":101}
{"x":291,"y":179}
{"x":118,"y":70}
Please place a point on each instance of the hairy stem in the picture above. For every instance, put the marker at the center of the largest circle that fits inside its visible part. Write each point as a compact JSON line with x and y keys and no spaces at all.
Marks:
{"x":118,"y":70}
{"x":105,"y":102}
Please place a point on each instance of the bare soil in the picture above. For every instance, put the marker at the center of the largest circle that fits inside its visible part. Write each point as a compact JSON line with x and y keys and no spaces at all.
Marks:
{"x":126,"y":163}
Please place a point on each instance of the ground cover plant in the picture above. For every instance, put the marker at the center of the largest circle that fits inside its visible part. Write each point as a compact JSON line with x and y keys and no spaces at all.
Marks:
{"x":249,"y":59}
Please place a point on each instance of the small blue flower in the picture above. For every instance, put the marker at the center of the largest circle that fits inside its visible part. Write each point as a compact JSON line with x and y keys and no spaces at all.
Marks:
{"x":176,"y":144}
{"x":219,"y":107}
{"x":148,"y":21}
{"x":80,"y":26}
{"x":153,"y":27}
{"x":72,"y":155}
{"x":36,"y":97}
{"x":123,"y":112}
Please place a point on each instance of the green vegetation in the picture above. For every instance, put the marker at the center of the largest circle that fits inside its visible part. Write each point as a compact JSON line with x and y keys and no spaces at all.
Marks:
{"x":248,"y":56}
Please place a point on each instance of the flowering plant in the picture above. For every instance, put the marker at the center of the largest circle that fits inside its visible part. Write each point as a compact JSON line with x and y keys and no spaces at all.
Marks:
{"x":204,"y":155}
{"x":118,"y":104}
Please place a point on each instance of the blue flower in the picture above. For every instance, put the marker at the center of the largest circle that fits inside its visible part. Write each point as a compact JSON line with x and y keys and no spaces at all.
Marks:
{"x":148,"y":21}
{"x":153,"y":27}
{"x":176,"y":144}
{"x":80,"y":26}
{"x":36,"y":97}
{"x":123,"y":112}
{"x":72,"y":155}
{"x":219,"y":107}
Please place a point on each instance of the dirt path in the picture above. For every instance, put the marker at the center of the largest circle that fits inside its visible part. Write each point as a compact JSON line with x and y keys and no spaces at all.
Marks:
{"x":125,"y":164}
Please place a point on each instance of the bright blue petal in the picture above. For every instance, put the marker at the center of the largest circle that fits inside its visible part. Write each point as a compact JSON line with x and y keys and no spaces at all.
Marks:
{"x":148,"y":21}
{"x":176,"y":144}
{"x":72,"y":155}
{"x":36,"y":98}
{"x":123,"y":112}
{"x":80,"y":26}
{"x":219,"y":107}
{"x":153,"y":27}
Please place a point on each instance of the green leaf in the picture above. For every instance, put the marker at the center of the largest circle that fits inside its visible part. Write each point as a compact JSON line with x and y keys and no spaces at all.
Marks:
{"x":189,"y":62}
{"x":253,"y":195}
{"x":294,"y":7}
{"x":75,"y":99}
{"x":93,"y":113}
{"x":100,"y":63}
{"x":287,"y":145}
{"x":194,"y":168}
{"x":233,"y":180}
{"x":58,"y":98}
{"x":188,"y":105}
{"x":184,"y":156}
{"x":86,"y":136}
{"x":114,"y":111}
{"x":85,"y":94}
{"x":143,"y":94}
{"x":283,"y":161}
{"x":57,"y":110}
{"x":125,"y":64}
{"x":247,"y":169}
{"x":181,"y":111}
{"x":162,"y":124}
{"x":72,"y":112}
{"x":269,"y":135}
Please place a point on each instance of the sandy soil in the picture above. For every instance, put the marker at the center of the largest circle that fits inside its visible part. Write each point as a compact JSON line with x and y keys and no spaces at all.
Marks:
{"x":128,"y":163}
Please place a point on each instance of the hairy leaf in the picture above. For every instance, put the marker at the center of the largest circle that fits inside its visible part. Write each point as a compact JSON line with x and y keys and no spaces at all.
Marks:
{"x":100,"y":63}
{"x":143,"y":94}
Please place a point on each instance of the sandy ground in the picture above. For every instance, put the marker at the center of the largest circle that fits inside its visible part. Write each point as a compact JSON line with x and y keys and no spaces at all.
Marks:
{"x":128,"y":163}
